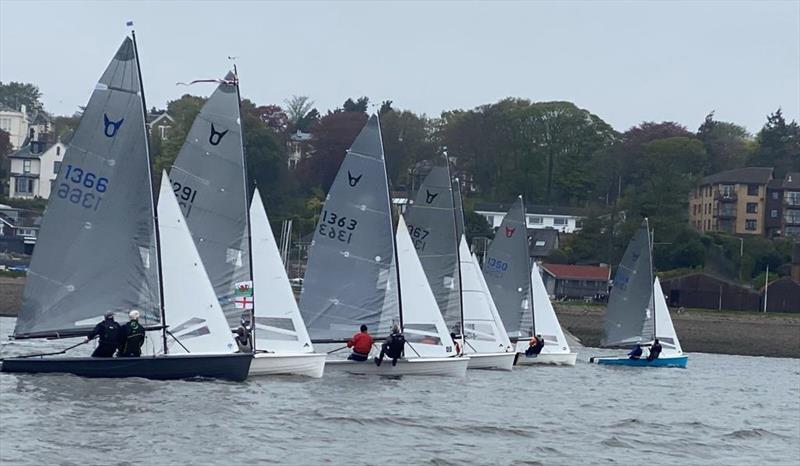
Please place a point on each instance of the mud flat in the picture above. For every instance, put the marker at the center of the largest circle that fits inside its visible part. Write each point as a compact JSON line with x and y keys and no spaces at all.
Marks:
{"x":10,"y":295}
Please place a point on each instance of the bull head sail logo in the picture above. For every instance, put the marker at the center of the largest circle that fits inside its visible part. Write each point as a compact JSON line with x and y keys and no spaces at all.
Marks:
{"x":353,"y":180}
{"x":216,"y":136}
{"x":510,"y":232}
{"x":429,"y":196}
{"x":111,"y":127}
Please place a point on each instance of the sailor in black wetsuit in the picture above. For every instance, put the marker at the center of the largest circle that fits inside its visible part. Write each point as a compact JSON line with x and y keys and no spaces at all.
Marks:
{"x":655,"y":350}
{"x":109,"y":332}
{"x":132,"y":337}
{"x":635,"y":353}
{"x":392,"y":347}
{"x":535,"y":346}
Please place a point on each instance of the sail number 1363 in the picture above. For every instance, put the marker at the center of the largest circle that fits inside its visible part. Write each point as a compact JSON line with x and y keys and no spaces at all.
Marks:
{"x":82,"y":187}
{"x":337,"y":227}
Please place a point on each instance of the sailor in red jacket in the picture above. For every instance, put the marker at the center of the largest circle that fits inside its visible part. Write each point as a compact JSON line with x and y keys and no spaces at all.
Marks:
{"x":361,"y":344}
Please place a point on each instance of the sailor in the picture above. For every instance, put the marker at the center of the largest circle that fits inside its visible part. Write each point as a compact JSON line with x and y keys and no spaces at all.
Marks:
{"x":132,"y":337}
{"x":636,"y":352}
{"x":242,"y":338}
{"x":655,"y":350}
{"x":361,"y":344}
{"x":392,"y":347}
{"x":535,"y":346}
{"x":455,"y":341}
{"x":109,"y":332}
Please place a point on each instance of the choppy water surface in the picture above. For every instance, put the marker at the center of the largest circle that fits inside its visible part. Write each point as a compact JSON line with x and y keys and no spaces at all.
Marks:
{"x":721,"y":410}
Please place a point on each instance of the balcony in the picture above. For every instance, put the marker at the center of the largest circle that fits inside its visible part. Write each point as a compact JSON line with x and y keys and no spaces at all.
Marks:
{"x":725,"y":196}
{"x":725,"y":213}
{"x":24,"y":175}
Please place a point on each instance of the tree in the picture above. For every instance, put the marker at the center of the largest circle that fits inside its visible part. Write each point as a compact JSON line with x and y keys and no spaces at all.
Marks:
{"x":5,"y":163}
{"x":14,"y":94}
{"x":183,"y":111}
{"x":778,"y":145}
{"x":728,"y":144}
{"x":360,"y":105}
{"x":273,"y":116}
{"x":386,"y":106}
{"x":333,"y":135}
{"x":406,"y":141}
{"x":297,"y":107}
{"x":308,"y":121}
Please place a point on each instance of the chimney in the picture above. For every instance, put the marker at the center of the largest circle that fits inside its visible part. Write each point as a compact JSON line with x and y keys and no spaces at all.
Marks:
{"x":32,"y":134}
{"x":23,"y":109}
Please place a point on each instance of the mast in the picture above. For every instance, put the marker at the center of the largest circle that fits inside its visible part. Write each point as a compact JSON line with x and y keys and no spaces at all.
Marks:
{"x":530,"y":266}
{"x":246,"y":207}
{"x":458,"y":250}
{"x":394,"y":236}
{"x":152,"y":195}
{"x":650,"y":239}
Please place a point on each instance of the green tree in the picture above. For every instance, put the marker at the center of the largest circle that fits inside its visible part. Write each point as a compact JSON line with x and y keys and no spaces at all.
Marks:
{"x":14,"y":94}
{"x":333,"y":135}
{"x":406,"y":141}
{"x":184,"y":111}
{"x":778,"y":145}
{"x":359,"y":105}
{"x":728,"y":144}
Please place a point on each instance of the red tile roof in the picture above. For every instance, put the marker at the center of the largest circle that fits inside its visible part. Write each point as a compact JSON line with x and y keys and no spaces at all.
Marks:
{"x":579,"y":272}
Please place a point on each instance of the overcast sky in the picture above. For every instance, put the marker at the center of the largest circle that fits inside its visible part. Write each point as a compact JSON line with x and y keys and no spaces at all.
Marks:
{"x":627,"y":62}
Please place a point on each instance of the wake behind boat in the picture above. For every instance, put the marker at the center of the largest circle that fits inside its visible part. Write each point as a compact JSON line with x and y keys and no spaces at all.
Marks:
{"x":105,"y":203}
{"x":637,"y":314}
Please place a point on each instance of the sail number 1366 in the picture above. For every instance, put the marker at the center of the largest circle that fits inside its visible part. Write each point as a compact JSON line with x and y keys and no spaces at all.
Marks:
{"x":82,"y":187}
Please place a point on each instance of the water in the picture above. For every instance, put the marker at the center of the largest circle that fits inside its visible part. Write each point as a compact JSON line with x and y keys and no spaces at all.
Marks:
{"x":721,"y":410}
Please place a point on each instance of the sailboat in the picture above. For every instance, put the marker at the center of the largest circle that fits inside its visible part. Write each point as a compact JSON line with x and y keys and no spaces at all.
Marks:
{"x":101,"y":249}
{"x":556,"y":349}
{"x":452,"y":274}
{"x":509,"y":276}
{"x":360,"y":272}
{"x":637,"y":312}
{"x":234,"y":238}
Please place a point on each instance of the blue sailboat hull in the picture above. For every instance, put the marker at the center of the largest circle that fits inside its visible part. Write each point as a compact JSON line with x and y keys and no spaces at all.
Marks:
{"x":233,"y":367}
{"x":672,"y":361}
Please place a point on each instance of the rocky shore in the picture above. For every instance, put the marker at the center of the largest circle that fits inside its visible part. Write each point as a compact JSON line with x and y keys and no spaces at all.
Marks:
{"x":745,"y":333}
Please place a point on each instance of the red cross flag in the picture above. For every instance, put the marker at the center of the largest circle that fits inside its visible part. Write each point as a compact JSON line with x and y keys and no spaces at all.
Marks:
{"x":244,"y":302}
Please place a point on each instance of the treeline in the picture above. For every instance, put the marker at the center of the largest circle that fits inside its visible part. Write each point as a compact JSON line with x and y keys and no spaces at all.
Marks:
{"x":551,"y":152}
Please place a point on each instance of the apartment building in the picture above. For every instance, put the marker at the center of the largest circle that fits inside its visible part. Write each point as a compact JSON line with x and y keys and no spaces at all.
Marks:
{"x":732,"y":201}
{"x":782,"y":213}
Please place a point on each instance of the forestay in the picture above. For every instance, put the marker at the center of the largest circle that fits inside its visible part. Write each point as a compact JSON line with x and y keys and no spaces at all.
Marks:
{"x":483,"y":329}
{"x":431,"y":225}
{"x":279,"y":326}
{"x":629,"y":316}
{"x":96,"y":247}
{"x":665,"y":331}
{"x":192,"y":311}
{"x":208,"y":178}
{"x":350,"y":258}
{"x":507,"y":272}
{"x":423,"y":325}
{"x":544,"y":316}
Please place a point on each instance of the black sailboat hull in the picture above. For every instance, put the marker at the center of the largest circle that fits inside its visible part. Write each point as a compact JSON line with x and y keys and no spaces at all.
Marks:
{"x":233,"y":367}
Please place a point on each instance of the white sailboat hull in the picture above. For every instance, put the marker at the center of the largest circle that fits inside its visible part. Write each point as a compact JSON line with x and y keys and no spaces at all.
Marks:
{"x":306,"y":364}
{"x":498,"y":361}
{"x":558,"y":359}
{"x":447,"y":367}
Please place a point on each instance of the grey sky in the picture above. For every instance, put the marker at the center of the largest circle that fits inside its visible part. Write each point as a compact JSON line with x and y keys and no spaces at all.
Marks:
{"x":624,"y":61}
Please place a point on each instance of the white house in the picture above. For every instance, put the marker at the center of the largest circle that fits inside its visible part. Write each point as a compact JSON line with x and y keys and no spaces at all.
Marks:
{"x":562,"y":219}
{"x":18,"y":123}
{"x":298,"y":148}
{"x":34,"y":169}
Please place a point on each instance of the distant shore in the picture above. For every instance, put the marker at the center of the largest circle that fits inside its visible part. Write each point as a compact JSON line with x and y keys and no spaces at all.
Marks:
{"x":705,"y":331}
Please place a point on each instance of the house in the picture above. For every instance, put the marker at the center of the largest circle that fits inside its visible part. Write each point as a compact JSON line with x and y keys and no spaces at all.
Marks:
{"x":17,"y":123}
{"x":782,"y":212}
{"x":732,"y":201}
{"x":542,"y":242}
{"x":299,"y":148}
{"x":700,"y":290}
{"x":19,"y":229}
{"x":160,"y":122}
{"x":563,"y":219}
{"x":575,"y":281}
{"x":35,"y":166}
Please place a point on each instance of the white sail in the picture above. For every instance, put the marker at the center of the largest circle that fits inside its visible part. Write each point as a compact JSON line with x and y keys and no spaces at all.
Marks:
{"x":279,"y":326}
{"x":544,"y":317}
{"x":423,"y":325}
{"x":191,"y":307}
{"x":665,"y":331}
{"x":483,"y":330}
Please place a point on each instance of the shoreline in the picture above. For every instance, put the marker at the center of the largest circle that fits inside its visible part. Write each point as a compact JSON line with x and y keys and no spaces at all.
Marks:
{"x":703,"y":331}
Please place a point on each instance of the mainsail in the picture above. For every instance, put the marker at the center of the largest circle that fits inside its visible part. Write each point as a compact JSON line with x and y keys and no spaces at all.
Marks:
{"x":96,"y":250}
{"x":279,"y":326}
{"x":544,"y":315}
{"x":196,"y":322}
{"x":507,"y":273}
{"x":483,"y":329}
{"x":629,"y":317}
{"x":208,"y":178}
{"x":431,"y":225}
{"x":350,"y":262}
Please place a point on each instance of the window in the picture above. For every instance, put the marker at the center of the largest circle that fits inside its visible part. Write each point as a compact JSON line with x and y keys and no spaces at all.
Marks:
{"x":793,"y":197}
{"x":26,"y":166}
{"x":752,"y":190}
{"x":752,"y":208}
{"x":773,"y":213}
{"x":559,"y":221}
{"x":792,"y":216}
{"x":792,"y":231}
{"x":750,"y":225}
{"x":694,"y":209}
{"x":26,"y":232}
{"x":534,"y":220}
{"x":490,"y":220}
{"x":58,"y":150}
{"x":5,"y":124}
{"x":727,"y":190}
{"x":24,"y":185}
{"x":775,"y":195}
{"x":164,"y":130}
{"x":56,"y":167}
{"x":539,"y":243}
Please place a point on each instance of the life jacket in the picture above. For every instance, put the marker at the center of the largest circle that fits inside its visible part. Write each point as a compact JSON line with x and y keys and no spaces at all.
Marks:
{"x":135,"y":336}
{"x":396,"y":343}
{"x":111,"y":333}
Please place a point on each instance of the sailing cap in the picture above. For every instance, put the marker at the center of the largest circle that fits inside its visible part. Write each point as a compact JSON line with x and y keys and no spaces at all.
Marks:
{"x":134,"y":314}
